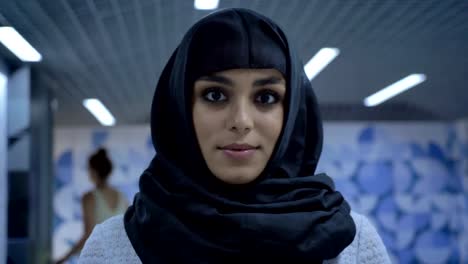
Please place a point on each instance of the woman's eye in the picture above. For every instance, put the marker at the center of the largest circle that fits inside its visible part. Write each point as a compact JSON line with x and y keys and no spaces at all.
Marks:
{"x":267,"y":98}
{"x":214,"y":96}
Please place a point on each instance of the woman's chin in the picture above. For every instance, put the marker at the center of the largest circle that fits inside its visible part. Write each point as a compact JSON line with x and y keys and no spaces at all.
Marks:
{"x":243,"y":177}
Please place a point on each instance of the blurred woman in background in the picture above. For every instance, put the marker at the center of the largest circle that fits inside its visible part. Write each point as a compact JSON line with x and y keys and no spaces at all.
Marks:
{"x":100,"y":203}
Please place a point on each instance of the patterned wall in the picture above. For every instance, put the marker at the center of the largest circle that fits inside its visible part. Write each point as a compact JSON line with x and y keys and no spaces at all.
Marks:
{"x":410,"y":179}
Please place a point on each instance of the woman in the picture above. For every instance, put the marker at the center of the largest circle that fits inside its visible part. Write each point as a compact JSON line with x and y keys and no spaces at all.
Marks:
{"x":100,"y":203}
{"x":238,"y":136}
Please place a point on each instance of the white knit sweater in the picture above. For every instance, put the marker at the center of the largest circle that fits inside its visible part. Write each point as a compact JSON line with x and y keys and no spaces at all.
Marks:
{"x":109,"y":243}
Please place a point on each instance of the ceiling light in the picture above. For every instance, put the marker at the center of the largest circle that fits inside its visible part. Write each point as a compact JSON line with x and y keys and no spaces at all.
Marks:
{"x":206,"y":4}
{"x":394,"y":89}
{"x":99,"y":111}
{"x":18,"y":45}
{"x":320,"y":61}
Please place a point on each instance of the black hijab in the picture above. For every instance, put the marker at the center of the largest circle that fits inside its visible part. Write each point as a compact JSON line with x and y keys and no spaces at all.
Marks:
{"x":184,"y":214}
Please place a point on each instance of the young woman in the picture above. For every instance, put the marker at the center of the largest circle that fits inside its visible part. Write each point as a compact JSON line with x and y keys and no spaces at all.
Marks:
{"x":100,"y":203}
{"x":238,"y":136}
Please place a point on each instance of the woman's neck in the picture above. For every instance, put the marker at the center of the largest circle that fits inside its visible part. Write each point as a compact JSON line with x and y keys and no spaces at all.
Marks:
{"x":101,"y":185}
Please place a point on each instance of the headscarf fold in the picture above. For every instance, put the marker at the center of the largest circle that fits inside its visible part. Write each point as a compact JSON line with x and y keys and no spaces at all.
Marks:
{"x":184,"y":214}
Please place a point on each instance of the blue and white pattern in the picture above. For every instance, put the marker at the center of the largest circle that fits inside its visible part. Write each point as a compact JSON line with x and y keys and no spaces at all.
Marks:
{"x":410,"y":179}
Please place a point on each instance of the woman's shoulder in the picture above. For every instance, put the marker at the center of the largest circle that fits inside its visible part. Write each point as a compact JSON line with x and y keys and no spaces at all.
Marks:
{"x":109,"y":243}
{"x":111,"y":228}
{"x":367,"y":246}
{"x":371,"y":248}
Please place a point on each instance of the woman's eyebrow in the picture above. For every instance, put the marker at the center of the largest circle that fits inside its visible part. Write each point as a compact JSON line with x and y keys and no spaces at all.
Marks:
{"x":217,"y":78}
{"x":268,"y":81}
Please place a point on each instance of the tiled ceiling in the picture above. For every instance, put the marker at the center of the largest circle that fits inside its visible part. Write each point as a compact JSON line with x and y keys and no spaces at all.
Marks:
{"x":115,"y":51}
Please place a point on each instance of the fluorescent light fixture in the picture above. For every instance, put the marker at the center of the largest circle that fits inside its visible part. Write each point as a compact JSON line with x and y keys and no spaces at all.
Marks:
{"x":206,"y":4}
{"x":394,"y":89}
{"x":18,"y":45}
{"x":99,"y":111}
{"x":320,"y":61}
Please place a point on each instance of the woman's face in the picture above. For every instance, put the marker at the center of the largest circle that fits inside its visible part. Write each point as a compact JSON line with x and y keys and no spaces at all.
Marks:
{"x":238,"y":117}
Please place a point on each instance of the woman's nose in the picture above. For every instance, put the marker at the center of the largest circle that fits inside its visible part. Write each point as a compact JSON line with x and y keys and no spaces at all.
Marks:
{"x":240,"y":120}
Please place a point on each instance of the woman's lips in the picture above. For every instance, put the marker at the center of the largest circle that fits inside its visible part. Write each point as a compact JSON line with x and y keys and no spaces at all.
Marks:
{"x":239,"y":154}
{"x":239,"y":151}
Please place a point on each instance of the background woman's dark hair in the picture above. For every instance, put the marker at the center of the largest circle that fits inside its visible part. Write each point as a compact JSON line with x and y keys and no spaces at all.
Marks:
{"x":101,"y":163}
